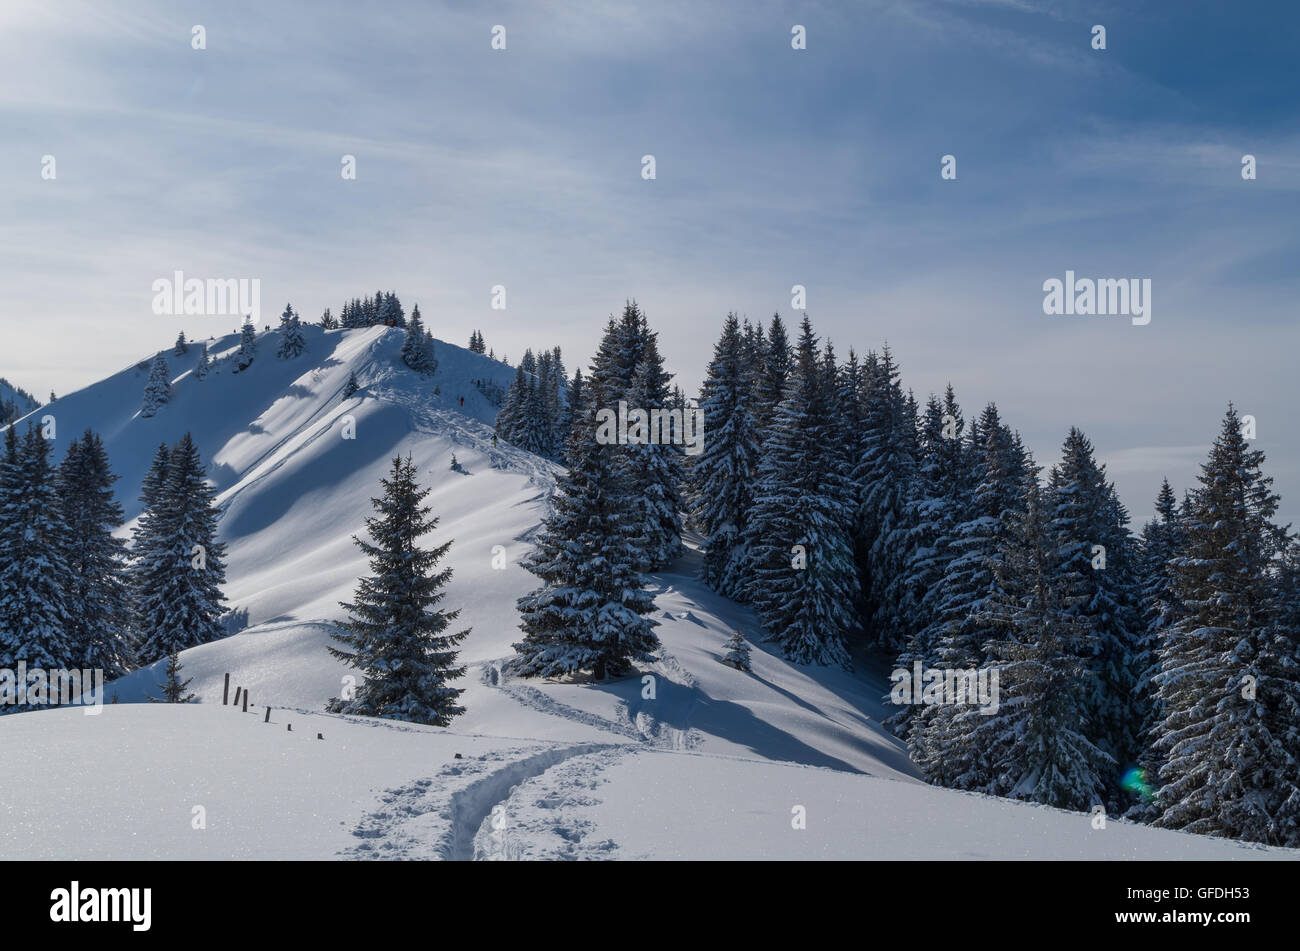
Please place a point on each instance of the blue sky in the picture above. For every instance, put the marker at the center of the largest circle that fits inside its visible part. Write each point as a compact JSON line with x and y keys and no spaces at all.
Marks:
{"x":775,"y":167}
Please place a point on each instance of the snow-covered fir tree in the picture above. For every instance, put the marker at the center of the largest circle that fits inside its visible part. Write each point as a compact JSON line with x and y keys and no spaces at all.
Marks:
{"x":327,"y":321}
{"x":590,"y":612}
{"x":960,"y":629}
{"x":654,"y":470}
{"x":941,"y":498}
{"x":247,"y":346}
{"x":803,"y":579}
{"x":178,"y":564}
{"x":417,"y":352}
{"x":883,"y":475}
{"x":99,"y":613}
{"x":737,"y":655}
{"x":1094,"y":551}
{"x":35,"y":577}
{"x":722,"y":475}
{"x":1035,"y":746}
{"x":182,"y":347}
{"x":158,"y":388}
{"x":1228,"y":682}
{"x":775,"y":372}
{"x":1162,"y":540}
{"x":204,"y":364}
{"x":396,"y":634}
{"x":351,"y":386}
{"x":292,"y":341}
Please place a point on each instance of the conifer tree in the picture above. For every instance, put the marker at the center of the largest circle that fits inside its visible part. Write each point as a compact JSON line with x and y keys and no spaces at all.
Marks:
{"x":654,"y":469}
{"x":173,"y":688}
{"x":737,"y":652}
{"x":722,"y":475}
{"x":803,"y":580}
{"x":98,"y":629}
{"x":292,"y":340}
{"x":158,"y":389}
{"x":327,"y":321}
{"x":1094,"y":552}
{"x":181,"y":347}
{"x":1162,"y":540}
{"x":352,"y":385}
{"x":179,"y":566}
{"x":590,"y":612}
{"x":1228,"y":683}
{"x":775,"y":373}
{"x":247,"y":346}
{"x":396,"y":634}
{"x":883,"y":473}
{"x":416,"y":352}
{"x":204,"y":365}
{"x":1034,"y":745}
{"x":35,"y":577}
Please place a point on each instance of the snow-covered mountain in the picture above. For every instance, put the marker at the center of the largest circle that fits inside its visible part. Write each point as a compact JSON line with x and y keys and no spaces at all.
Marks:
{"x":691,"y":758}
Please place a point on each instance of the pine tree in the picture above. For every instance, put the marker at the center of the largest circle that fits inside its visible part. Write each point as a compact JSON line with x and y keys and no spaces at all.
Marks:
{"x":247,"y":346}
{"x":737,"y":653}
{"x":775,"y":373}
{"x":803,"y":578}
{"x":352,"y":385}
{"x":97,"y":601}
{"x":1162,"y":540}
{"x":654,"y":469}
{"x":883,"y":473}
{"x":181,"y":347}
{"x":1228,"y":682}
{"x":960,"y":628}
{"x":941,"y":498}
{"x":396,"y":635}
{"x":173,"y":688}
{"x":179,"y":565}
{"x":204,"y":365}
{"x":508,"y":419}
{"x":416,"y":352}
{"x":1034,"y":744}
{"x":590,"y":612}
{"x":1096,"y":561}
{"x":722,"y":475}
{"x":292,"y":340}
{"x":390,"y":311}
{"x":327,"y":321}
{"x":35,"y":577}
{"x":158,"y":389}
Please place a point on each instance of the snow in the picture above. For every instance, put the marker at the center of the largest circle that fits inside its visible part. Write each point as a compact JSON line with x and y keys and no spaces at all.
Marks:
{"x":700,"y":761}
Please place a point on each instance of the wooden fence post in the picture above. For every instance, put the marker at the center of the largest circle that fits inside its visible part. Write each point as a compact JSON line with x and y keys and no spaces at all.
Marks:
{"x":225,"y":694}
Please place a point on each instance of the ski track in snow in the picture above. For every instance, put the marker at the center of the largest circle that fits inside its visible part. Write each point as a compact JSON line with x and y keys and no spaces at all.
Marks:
{"x":448,"y":815}
{"x":641,"y":728}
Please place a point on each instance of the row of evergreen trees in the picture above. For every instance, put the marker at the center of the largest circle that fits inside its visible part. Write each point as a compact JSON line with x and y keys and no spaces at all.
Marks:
{"x":1158,"y":674}
{"x":73,"y":595}
{"x":537,"y":411}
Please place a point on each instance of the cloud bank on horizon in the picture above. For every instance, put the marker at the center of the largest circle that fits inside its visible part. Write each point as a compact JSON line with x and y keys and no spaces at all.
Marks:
{"x":774,"y":166}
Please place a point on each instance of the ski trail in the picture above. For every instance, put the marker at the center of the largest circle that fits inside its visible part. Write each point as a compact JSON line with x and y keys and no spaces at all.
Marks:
{"x":439,"y":817}
{"x":546,"y":816}
{"x":641,"y":727}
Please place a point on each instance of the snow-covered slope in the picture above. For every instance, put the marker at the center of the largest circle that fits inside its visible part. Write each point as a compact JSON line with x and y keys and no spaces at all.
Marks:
{"x":689,"y":758}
